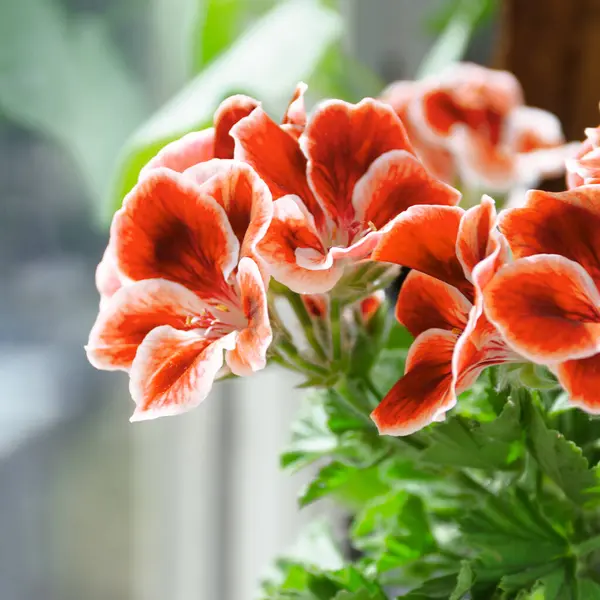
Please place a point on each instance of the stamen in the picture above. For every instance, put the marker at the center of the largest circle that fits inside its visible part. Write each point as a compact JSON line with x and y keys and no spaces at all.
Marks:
{"x":222,"y":307}
{"x":372,"y":226}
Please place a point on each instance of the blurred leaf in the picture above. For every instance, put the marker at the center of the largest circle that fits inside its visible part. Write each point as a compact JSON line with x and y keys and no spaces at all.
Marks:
{"x":439,"y":20}
{"x":329,"y":478}
{"x":452,"y":43}
{"x":66,"y":79}
{"x":315,"y":546}
{"x":282,"y":48}
{"x":393,"y":530}
{"x":463,"y":443}
{"x":560,"y":459}
{"x":464,"y":581}
{"x":220,"y":23}
{"x":588,"y":590}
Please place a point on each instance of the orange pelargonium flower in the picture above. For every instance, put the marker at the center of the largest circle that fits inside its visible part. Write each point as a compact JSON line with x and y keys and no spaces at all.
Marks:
{"x":584,"y":168}
{"x":454,"y":254}
{"x":183,"y":246}
{"x":336,"y":189}
{"x":470,"y":122}
{"x":547,"y":303}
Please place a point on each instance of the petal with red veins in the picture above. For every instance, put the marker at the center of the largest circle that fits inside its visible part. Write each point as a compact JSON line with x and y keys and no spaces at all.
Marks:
{"x":565,"y":223}
{"x":424,"y":238}
{"x":173,"y":371}
{"x":480,"y":346}
{"x":547,"y":308}
{"x":191,"y":149}
{"x":428,"y":303}
{"x":482,"y":163}
{"x":131,"y":313}
{"x":293,"y":230}
{"x":276,"y":157}
{"x":242,"y":194}
{"x":581,"y":380}
{"x":170,"y":229}
{"x":528,"y":128}
{"x":341,"y":142}
{"x":475,"y":240}
{"x":426,"y":390}
{"x":394,"y":182}
{"x":250,"y":353}
{"x":230,"y":111}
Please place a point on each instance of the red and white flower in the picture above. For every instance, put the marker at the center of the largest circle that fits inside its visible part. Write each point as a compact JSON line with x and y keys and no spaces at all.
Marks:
{"x":470,"y":122}
{"x":183,"y":247}
{"x":454,"y":254}
{"x":336,"y":189}
{"x":546,"y":303}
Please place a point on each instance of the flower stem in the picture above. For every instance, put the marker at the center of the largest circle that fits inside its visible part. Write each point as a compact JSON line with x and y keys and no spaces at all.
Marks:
{"x":302,"y":314}
{"x":291,"y":354}
{"x":336,"y":329}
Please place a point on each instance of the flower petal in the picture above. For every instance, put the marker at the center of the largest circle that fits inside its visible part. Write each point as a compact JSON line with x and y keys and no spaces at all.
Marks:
{"x":341,"y":141}
{"x":294,"y":119}
{"x":230,"y":111}
{"x":546,"y":307}
{"x":581,"y":380}
{"x":528,"y":129}
{"x":428,"y":303}
{"x":565,"y":223}
{"x":108,"y":280}
{"x":292,"y":232}
{"x":424,"y":238}
{"x":242,"y":194}
{"x":169,"y":229}
{"x":481,"y":163}
{"x":475,"y":238}
{"x":425,"y":392}
{"x":131,"y":313}
{"x":276,"y":157}
{"x":173,"y":371}
{"x":191,"y":149}
{"x":394,"y":182}
{"x":250,"y":353}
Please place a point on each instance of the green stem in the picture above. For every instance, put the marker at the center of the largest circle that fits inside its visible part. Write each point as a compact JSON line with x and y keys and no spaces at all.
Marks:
{"x":307,"y":324}
{"x":345,"y":395}
{"x":292,"y":354}
{"x":336,"y":329}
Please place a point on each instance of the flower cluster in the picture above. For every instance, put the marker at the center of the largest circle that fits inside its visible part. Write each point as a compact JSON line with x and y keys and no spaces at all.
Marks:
{"x":317,"y":210}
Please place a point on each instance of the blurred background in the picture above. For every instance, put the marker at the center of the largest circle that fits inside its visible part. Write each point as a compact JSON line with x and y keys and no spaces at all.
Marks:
{"x":189,"y":508}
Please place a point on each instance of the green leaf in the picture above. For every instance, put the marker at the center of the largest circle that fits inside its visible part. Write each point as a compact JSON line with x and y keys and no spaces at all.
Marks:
{"x":464,"y":581}
{"x":463,"y":443}
{"x":511,"y":534}
{"x":524,"y":579}
{"x":560,"y":459}
{"x":281,"y":49}
{"x":66,"y":79}
{"x":436,"y":588}
{"x":311,"y":435}
{"x":393,"y":530}
{"x":556,"y":586}
{"x":451,"y":45}
{"x":328,"y":479}
{"x":588,"y":590}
